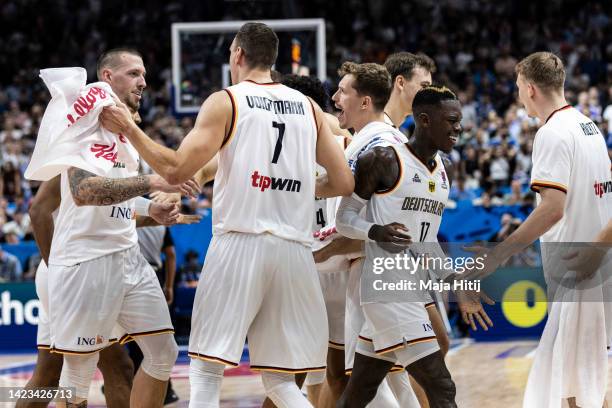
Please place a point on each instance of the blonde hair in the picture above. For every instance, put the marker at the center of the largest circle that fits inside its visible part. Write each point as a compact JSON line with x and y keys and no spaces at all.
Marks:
{"x":544,"y":69}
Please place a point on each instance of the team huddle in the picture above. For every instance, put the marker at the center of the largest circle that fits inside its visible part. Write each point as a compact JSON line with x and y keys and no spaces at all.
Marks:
{"x":303,"y":203}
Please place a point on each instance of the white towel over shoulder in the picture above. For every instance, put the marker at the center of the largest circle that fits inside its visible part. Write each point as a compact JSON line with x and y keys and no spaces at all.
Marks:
{"x":70,"y":134}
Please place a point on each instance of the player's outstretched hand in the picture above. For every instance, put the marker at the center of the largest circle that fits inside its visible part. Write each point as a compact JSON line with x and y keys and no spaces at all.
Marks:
{"x":393,"y":237}
{"x":169,"y":294}
{"x":161,"y":197}
{"x":470,"y":305}
{"x":164,"y":214}
{"x":117,"y":119}
{"x":188,"y":219}
{"x":326,"y":233}
{"x":189,"y":188}
{"x":488,"y":263}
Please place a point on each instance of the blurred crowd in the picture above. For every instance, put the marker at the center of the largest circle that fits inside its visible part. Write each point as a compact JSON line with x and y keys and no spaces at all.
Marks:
{"x":475,"y":45}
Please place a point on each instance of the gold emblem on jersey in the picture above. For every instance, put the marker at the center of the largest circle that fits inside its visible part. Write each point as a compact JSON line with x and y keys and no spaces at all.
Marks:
{"x":432,"y":186}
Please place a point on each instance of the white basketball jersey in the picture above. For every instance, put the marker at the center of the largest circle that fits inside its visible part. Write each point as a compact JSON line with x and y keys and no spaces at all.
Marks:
{"x":570,"y":154}
{"x":89,"y":232}
{"x":417,"y":200}
{"x":266,"y":177}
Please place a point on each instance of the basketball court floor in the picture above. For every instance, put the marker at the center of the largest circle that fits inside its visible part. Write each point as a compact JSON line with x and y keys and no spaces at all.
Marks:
{"x":487,"y":375}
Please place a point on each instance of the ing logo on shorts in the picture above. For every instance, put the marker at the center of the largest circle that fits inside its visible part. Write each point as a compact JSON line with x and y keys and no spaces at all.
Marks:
{"x":90,"y":341}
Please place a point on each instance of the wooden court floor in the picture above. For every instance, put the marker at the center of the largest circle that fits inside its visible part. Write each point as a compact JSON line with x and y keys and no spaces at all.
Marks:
{"x":486,"y":374}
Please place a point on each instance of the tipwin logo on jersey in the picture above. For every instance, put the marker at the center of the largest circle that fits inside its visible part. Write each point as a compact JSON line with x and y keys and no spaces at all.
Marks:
{"x":603,"y":188}
{"x":274,"y":183}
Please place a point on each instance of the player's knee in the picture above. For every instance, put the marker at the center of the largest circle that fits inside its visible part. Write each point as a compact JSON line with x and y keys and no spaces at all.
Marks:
{"x":444,"y":343}
{"x":116,"y":364}
{"x":170,"y":352}
{"x":436,"y":379}
{"x":78,"y":372}
{"x":337,"y":381}
{"x":48,"y":368}
{"x":446,"y":389}
{"x":315,"y":378}
{"x":282,"y":390}
{"x":336,"y":374}
{"x":159,"y":360}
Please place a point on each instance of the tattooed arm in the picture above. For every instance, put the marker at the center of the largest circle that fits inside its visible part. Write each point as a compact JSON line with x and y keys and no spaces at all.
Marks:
{"x":89,"y":189}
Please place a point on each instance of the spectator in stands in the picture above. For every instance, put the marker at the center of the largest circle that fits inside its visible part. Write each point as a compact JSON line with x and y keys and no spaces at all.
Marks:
{"x":459,"y":192}
{"x":595,"y":109}
{"x":10,"y":180}
{"x":10,"y":267}
{"x":18,"y":227}
{"x":32,"y":266}
{"x":499,"y":168}
{"x":515,"y":195}
{"x":470,"y":164}
{"x":191,"y":269}
{"x":509,"y":224}
{"x":527,"y":204}
{"x":607,"y":113}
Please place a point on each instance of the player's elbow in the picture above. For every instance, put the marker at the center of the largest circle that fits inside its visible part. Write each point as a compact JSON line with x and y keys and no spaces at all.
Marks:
{"x":342,"y":222}
{"x":35,"y":211}
{"x":556,"y":214}
{"x":348,"y":187}
{"x":79,"y":200}
{"x":345,"y":184}
{"x":173,"y":176}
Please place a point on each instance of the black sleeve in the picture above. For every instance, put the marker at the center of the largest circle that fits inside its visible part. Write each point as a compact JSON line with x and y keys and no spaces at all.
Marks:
{"x":168,"y":241}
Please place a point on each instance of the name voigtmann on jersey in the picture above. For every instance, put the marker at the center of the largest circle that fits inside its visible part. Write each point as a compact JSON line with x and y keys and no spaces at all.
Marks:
{"x":278,"y":107}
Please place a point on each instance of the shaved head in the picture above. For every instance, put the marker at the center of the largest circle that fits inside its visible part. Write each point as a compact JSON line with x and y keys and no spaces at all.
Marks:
{"x":111,"y":59}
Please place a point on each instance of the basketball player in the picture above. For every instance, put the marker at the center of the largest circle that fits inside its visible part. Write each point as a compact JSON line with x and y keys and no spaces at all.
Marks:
{"x":409,"y":73}
{"x":259,"y":277}
{"x":115,"y":364}
{"x":569,"y":158}
{"x":362,"y":93}
{"x":400,"y":332}
{"x":97,"y":276}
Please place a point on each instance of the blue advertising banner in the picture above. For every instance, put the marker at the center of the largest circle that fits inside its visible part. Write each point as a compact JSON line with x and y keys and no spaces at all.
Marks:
{"x":19,"y":307}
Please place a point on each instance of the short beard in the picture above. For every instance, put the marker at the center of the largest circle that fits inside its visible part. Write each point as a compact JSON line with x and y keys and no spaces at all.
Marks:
{"x":133,"y":107}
